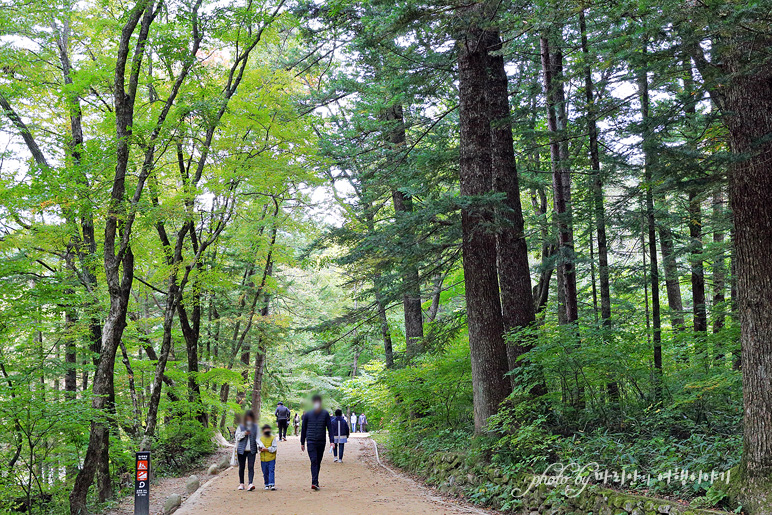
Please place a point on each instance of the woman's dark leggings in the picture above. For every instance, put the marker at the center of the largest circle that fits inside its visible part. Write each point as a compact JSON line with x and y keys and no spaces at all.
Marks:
{"x":244,"y":459}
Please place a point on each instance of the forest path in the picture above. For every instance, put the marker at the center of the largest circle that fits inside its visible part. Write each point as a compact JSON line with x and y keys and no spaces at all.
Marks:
{"x":359,"y":484}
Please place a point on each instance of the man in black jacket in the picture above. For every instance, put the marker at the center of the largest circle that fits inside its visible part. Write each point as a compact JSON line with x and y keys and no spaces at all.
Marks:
{"x":316,"y":426}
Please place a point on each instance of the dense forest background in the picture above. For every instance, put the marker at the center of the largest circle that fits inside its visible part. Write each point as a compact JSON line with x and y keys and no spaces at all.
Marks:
{"x":530,"y":231}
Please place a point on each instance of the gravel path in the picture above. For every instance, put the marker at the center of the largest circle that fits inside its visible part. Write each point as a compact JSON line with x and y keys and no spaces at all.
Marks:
{"x":359,"y":484}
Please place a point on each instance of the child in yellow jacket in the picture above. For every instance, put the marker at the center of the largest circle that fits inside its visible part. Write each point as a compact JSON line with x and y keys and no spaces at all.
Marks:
{"x":268,"y":445}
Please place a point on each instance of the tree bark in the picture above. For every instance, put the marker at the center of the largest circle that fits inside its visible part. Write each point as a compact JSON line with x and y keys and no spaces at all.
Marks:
{"x":191,"y":331}
{"x":121,"y":213}
{"x":403,"y":205}
{"x":488,"y":350}
{"x":260,"y":356}
{"x":383,"y":321}
{"x":511,"y":248}
{"x":552,"y":68}
{"x":746,"y":101}
{"x":548,"y":249}
{"x":70,"y":355}
{"x":719,"y":262}
{"x":672,"y":280}
{"x":598,"y":197}
{"x":172,"y":298}
{"x":698,"y":273}
{"x":648,"y":150}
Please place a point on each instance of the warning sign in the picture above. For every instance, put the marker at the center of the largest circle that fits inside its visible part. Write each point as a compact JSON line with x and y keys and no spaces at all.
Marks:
{"x":142,"y":484}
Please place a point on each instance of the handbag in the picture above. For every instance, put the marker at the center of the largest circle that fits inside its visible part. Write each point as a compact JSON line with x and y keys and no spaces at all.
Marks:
{"x":234,"y":461}
{"x":339,"y":438}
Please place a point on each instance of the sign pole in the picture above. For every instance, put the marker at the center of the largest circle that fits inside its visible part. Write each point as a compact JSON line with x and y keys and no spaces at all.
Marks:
{"x":142,"y":484}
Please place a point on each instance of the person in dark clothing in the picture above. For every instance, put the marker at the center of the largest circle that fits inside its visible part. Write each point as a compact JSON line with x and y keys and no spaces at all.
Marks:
{"x":282,"y":420}
{"x":315,"y":424}
{"x":246,"y":448}
{"x":340,"y":431}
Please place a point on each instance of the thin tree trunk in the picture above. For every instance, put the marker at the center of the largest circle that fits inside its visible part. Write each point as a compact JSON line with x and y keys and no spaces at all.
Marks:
{"x":599,"y":209}
{"x":191,"y":331}
{"x":672,"y":280}
{"x":383,"y":321}
{"x":648,"y":150}
{"x":719,"y":262}
{"x":695,"y":220}
{"x":260,"y":356}
{"x":166,"y":345}
{"x":552,"y":67}
{"x":70,"y":355}
{"x":548,"y":249}
{"x":132,"y":391}
{"x":436,"y":294}
{"x":488,"y":351}
{"x":698,"y":273}
{"x":403,"y":205}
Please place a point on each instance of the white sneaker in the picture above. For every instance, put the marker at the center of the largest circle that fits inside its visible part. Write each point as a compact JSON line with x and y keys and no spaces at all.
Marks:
{"x":251,"y":487}
{"x":273,"y":487}
{"x":266,"y":487}
{"x":241,"y":487}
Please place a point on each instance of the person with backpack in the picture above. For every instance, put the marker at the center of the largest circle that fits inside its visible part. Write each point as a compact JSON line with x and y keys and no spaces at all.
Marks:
{"x":282,"y":420}
{"x":340,"y":431}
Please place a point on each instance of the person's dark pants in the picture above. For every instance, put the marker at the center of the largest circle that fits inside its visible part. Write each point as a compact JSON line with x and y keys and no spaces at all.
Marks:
{"x":338,"y":450}
{"x":316,"y":453}
{"x":296,"y":429}
{"x":244,"y":459}
{"x":283,"y":425}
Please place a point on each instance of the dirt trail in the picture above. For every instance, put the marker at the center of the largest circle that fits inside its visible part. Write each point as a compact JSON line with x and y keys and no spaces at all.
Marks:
{"x":358,"y":484}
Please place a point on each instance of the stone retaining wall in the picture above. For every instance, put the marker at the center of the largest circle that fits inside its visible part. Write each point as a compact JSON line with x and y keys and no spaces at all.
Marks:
{"x":457,"y":475}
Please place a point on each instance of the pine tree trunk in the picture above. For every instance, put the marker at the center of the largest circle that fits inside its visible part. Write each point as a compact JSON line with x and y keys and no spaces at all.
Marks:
{"x":512,"y":251}
{"x":648,"y":150}
{"x":552,"y":67}
{"x":748,"y":114}
{"x":698,"y":274}
{"x":548,"y":249}
{"x":672,"y":281}
{"x":719,"y":262}
{"x":488,"y":350}
{"x":383,"y":321}
{"x":599,"y":209}
{"x":403,"y":205}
